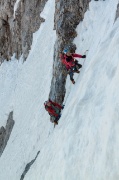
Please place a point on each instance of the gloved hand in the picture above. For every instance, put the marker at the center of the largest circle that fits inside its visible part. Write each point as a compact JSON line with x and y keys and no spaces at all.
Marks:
{"x":63,"y":106}
{"x":84,"y":56}
{"x":58,"y":117}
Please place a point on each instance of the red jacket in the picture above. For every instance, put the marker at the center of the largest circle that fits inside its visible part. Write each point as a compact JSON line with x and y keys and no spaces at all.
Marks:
{"x":70,"y":63}
{"x":51,"y":110}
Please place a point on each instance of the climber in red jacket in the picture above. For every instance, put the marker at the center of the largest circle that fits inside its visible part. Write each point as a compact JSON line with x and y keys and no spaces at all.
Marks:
{"x":54,"y":110}
{"x":70,"y":63}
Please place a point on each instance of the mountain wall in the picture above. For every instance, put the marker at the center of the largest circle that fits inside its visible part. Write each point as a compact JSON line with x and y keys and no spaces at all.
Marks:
{"x":68,"y":14}
{"x":19,"y":19}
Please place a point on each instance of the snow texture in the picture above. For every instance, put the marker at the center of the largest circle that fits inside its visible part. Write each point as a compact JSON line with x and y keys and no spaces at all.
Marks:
{"x":85,"y":143}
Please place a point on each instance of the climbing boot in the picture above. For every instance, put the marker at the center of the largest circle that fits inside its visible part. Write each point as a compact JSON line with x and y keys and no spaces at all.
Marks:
{"x":77,"y":71}
{"x":73,"y":81}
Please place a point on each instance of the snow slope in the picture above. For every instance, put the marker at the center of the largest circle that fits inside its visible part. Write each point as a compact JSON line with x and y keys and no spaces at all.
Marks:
{"x":24,"y":88}
{"x":85,"y":143}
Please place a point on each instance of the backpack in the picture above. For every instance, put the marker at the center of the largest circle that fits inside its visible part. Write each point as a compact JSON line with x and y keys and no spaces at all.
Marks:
{"x":67,"y":61}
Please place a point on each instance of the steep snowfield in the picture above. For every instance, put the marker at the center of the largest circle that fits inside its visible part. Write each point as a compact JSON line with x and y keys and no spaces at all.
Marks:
{"x":85,"y":144}
{"x":23,"y":88}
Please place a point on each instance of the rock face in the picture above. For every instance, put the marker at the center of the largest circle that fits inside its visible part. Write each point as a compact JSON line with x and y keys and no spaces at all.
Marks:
{"x":117,"y":12}
{"x":5,"y":132}
{"x":68,"y":14}
{"x":27,"y":167}
{"x":19,"y":19}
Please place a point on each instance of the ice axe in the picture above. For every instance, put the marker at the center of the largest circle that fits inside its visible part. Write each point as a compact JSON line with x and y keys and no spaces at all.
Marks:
{"x":85,"y":54}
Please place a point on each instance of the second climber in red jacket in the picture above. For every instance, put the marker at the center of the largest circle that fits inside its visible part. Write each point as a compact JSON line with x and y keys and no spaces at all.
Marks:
{"x":54,"y":110}
{"x":70,"y":63}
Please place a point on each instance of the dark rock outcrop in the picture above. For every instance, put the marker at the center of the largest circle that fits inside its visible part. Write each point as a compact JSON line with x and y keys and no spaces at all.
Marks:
{"x":117,"y":12}
{"x":5,"y":132}
{"x":68,"y":14}
{"x":17,"y":28}
{"x":27,"y":167}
